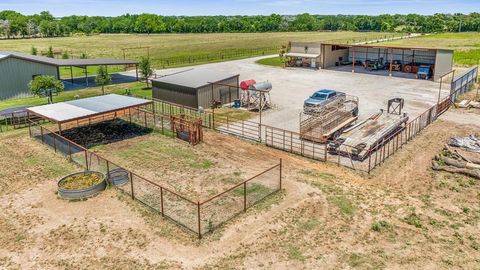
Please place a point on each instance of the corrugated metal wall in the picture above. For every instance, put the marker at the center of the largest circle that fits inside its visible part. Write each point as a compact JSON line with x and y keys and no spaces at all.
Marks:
{"x":223,"y":94}
{"x":15,"y":74}
{"x":443,"y":63}
{"x":175,"y":94}
{"x":406,"y":56}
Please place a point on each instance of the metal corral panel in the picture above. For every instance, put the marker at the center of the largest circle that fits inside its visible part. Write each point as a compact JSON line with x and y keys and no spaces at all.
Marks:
{"x":175,"y":93}
{"x":222,"y":93}
{"x":443,"y":63}
{"x":15,"y":74}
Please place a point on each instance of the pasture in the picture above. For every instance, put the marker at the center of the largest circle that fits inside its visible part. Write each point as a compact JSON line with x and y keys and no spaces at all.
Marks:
{"x":232,"y":45}
{"x":466,"y":45}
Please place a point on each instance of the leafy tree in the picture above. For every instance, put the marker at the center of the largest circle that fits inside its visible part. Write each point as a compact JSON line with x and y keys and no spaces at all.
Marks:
{"x":33,"y":51}
{"x":103,"y":78}
{"x":146,"y":69}
{"x":50,"y":52}
{"x":45,"y":84}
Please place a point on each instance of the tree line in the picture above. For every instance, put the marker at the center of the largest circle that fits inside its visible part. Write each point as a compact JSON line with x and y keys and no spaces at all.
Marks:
{"x":44,"y":24}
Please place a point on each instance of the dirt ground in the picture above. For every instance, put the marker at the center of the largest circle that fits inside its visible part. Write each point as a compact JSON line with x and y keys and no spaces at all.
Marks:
{"x":197,"y":172}
{"x":403,"y":216}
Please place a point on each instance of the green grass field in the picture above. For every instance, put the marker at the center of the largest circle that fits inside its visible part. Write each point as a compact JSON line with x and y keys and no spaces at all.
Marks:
{"x":466,"y":45}
{"x":177,"y":45}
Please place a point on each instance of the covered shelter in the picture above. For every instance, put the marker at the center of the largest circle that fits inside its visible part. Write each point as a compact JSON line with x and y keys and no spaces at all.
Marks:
{"x":87,"y":110}
{"x":197,"y":88}
{"x":405,"y":62}
{"x":303,"y":54}
{"x":18,"y":69}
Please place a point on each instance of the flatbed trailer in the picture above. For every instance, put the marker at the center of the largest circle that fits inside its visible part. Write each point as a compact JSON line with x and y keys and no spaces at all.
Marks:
{"x":357,"y":141}
{"x":330,"y":122}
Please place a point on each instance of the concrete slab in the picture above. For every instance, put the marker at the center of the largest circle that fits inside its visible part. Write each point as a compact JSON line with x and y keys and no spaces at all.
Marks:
{"x":293,"y":85}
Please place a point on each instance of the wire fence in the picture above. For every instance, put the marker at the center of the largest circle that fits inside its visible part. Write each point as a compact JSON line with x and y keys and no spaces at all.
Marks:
{"x":235,"y":53}
{"x":194,"y":216}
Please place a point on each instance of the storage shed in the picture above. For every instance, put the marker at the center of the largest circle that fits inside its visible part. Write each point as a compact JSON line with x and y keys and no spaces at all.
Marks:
{"x":17,"y":72}
{"x":303,"y":54}
{"x":393,"y":61}
{"x":197,"y":88}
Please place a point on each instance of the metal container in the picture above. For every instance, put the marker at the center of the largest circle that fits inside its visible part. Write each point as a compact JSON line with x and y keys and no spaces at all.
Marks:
{"x":118,"y":177}
{"x":75,"y":194}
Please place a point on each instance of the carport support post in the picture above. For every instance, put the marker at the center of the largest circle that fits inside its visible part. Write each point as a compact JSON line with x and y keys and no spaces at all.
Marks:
{"x":391,"y":61}
{"x":353,"y":59}
{"x":86,"y":75}
{"x":71,"y":74}
{"x":136,"y":71}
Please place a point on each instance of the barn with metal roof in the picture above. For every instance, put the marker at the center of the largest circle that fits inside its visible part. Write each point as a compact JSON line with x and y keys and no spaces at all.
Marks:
{"x":197,"y":87}
{"x":17,"y":70}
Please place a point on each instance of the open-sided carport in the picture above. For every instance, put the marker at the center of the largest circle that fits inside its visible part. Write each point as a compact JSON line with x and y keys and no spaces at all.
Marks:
{"x":392,"y":61}
{"x":87,"y":110}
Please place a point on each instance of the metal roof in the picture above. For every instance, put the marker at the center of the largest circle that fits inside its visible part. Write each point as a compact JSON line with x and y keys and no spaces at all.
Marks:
{"x":87,"y":107}
{"x":195,"y":78}
{"x":66,"y":62}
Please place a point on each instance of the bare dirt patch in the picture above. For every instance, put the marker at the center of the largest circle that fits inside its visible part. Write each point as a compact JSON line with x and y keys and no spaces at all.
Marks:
{"x":402,"y":216}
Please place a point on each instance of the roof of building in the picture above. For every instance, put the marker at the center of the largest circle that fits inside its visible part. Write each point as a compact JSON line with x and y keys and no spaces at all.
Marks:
{"x":83,"y":108}
{"x":65,"y":62}
{"x":195,"y":78}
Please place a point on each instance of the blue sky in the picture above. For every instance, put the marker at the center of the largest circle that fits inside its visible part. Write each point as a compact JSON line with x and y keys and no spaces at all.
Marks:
{"x":239,"y":7}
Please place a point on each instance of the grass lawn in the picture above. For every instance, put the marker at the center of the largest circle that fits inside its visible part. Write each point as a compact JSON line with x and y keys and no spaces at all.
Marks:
{"x":65,"y":72}
{"x":135,"y":88}
{"x":466,"y":45}
{"x":178,"y":45}
{"x":274,"y":61}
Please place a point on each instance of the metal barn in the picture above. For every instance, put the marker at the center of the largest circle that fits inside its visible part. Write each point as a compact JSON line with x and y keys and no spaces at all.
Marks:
{"x":395,"y":61}
{"x":197,"y":88}
{"x":17,"y":70}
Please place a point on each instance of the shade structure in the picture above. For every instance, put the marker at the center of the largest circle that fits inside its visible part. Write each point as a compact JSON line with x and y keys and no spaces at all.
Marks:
{"x":84,"y":108}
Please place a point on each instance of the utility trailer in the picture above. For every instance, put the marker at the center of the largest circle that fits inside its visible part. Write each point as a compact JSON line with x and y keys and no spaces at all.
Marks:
{"x":357,"y":140}
{"x":329,"y":122}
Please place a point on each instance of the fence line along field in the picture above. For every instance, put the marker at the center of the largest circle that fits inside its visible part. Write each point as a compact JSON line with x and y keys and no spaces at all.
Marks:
{"x":466,"y":45}
{"x":161,"y":46}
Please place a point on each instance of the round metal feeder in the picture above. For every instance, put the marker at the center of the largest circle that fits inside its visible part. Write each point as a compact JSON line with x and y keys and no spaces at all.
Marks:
{"x":75,"y":194}
{"x":118,"y":177}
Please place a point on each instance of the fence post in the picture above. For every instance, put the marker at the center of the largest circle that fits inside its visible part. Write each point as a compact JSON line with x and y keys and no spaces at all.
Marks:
{"x":161,"y":200}
{"x":70,"y":151}
{"x":86,"y":159}
{"x":199,"y":226}
{"x":369,"y":159}
{"x":54,"y":143}
{"x":281,"y":172}
{"x":108,"y":171}
{"x":131,"y":185}
{"x":244,"y":196}
{"x":41,"y":134}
